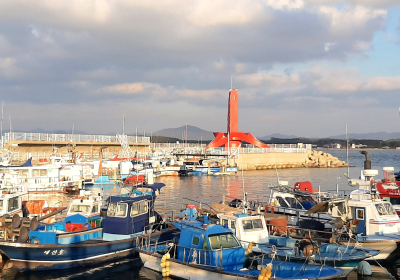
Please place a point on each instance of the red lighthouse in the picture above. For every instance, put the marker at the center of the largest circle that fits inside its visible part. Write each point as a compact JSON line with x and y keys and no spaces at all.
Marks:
{"x":233,"y":138}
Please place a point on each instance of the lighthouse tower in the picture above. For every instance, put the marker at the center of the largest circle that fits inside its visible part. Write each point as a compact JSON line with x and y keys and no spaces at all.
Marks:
{"x":233,"y":138}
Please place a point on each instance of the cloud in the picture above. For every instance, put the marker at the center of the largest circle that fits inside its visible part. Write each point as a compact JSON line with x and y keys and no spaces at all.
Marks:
{"x":382,"y":84}
{"x":134,"y":88}
{"x":8,"y":67}
{"x":307,"y":99}
{"x":285,"y":4}
{"x":180,"y":56}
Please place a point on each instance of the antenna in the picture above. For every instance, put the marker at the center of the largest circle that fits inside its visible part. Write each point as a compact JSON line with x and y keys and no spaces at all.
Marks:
{"x":347,"y":152}
{"x":244,"y":192}
{"x":123,"y":125}
{"x":2,"y":109}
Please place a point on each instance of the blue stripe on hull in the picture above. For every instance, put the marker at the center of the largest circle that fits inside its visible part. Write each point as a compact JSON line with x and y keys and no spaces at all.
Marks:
{"x":43,"y":257}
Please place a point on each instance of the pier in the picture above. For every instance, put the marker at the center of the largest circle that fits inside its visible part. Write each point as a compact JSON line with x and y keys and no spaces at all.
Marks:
{"x":40,"y":146}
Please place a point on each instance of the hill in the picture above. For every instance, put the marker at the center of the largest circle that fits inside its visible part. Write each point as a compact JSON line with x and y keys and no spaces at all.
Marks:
{"x":193,"y":133}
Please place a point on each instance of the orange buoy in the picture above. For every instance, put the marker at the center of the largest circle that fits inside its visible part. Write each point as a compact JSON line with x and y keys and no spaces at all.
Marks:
{"x":270,"y":207}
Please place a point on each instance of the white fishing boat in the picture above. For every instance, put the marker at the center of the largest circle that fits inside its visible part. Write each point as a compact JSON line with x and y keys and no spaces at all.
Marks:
{"x":367,"y":219}
{"x":86,"y":204}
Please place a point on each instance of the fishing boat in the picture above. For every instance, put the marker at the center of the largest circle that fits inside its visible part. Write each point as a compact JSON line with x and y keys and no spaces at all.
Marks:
{"x":365,"y":220}
{"x":294,"y":203}
{"x":200,"y":250}
{"x":253,"y":233}
{"x":202,"y":167}
{"x":42,"y":179}
{"x":11,"y":200}
{"x":79,"y":240}
{"x":86,"y":204}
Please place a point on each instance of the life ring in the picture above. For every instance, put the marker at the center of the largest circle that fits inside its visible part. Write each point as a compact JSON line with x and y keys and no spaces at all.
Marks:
{"x":270,"y":207}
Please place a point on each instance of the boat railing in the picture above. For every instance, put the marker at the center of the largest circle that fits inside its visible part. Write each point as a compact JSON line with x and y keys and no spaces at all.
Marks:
{"x":201,"y":205}
{"x":193,"y":256}
{"x":10,"y":189}
{"x":298,"y":232}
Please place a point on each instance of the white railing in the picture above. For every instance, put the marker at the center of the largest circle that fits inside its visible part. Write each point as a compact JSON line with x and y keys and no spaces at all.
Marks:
{"x":273,"y":148}
{"x":20,"y":136}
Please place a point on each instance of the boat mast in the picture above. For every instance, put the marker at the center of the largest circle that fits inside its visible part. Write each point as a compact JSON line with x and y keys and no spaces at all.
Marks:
{"x":347,"y":152}
{"x":2,"y":109}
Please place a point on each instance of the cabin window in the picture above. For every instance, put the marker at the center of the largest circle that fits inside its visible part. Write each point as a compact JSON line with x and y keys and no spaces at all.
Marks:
{"x":13,"y":204}
{"x":233,"y":225}
{"x":225,"y":240}
{"x":139,"y":208}
{"x":385,"y":209}
{"x":195,"y":240}
{"x":282,"y":202}
{"x":205,"y":244}
{"x":95,"y":209}
{"x":225,"y":223}
{"x":360,"y":214}
{"x":294,"y":203}
{"x":111,"y":209}
{"x":253,"y":224}
{"x":1,"y":205}
{"x":80,"y":209}
{"x":121,"y":210}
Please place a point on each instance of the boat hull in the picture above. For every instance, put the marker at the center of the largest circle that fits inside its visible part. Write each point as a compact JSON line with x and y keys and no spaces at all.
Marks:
{"x":46,"y":257}
{"x":196,"y":272}
{"x":388,"y":249}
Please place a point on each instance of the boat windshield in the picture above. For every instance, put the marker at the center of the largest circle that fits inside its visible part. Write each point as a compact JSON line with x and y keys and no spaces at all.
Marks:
{"x":252,"y":224}
{"x":224,"y":240}
{"x":294,"y":203}
{"x":79,"y":209}
{"x":384,"y":209}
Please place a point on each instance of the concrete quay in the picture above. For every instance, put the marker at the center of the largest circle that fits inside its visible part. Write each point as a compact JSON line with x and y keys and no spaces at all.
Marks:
{"x":310,"y":158}
{"x":42,"y":146}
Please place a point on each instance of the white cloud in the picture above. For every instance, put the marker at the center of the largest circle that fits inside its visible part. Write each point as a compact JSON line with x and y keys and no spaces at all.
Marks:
{"x":132,"y":88}
{"x":382,"y":83}
{"x":8,"y":67}
{"x":351,"y":19}
{"x":285,"y":4}
{"x":297,"y":99}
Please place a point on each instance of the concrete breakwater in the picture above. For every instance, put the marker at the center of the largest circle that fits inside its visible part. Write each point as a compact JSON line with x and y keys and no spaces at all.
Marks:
{"x":311,"y":158}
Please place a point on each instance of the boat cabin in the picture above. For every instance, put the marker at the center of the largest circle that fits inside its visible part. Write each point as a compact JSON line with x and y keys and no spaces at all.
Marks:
{"x":213,"y":245}
{"x":291,"y":199}
{"x":369,"y":215}
{"x":132,"y":213}
{"x":246,"y":228}
{"x":86,"y":204}
{"x":11,"y":201}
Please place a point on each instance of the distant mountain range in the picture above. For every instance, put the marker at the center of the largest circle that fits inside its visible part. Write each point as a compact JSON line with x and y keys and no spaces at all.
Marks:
{"x":373,"y":136}
{"x":361,"y":136}
{"x":195,"y":133}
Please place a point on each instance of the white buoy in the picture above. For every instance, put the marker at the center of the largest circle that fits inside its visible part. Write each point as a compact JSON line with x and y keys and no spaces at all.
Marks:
{"x":364,"y":268}
{"x":150,"y":178}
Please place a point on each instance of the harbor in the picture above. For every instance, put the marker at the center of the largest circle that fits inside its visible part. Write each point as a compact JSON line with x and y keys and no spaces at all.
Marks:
{"x":209,"y":188}
{"x":199,"y":140}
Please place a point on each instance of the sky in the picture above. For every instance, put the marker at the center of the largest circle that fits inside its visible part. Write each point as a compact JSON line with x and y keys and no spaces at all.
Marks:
{"x":302,"y":67}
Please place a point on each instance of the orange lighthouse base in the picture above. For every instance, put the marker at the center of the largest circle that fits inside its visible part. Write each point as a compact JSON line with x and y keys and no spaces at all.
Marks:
{"x":235,"y":140}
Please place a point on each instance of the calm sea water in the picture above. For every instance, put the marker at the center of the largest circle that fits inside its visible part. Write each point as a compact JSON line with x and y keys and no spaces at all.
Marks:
{"x":213,"y":188}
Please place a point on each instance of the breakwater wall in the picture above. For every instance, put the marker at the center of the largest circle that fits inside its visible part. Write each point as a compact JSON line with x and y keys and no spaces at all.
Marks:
{"x":311,"y":158}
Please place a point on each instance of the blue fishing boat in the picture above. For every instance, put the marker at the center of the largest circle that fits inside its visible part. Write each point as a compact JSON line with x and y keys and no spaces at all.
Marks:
{"x":200,"y":250}
{"x":252,"y":231}
{"x":80,"y":240}
{"x":343,"y":256}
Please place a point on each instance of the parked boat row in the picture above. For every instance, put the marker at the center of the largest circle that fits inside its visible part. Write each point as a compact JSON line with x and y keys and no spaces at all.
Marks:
{"x":320,"y":237}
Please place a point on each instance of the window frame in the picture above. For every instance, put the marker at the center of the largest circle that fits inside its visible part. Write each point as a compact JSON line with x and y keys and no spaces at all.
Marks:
{"x":140,"y":212}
